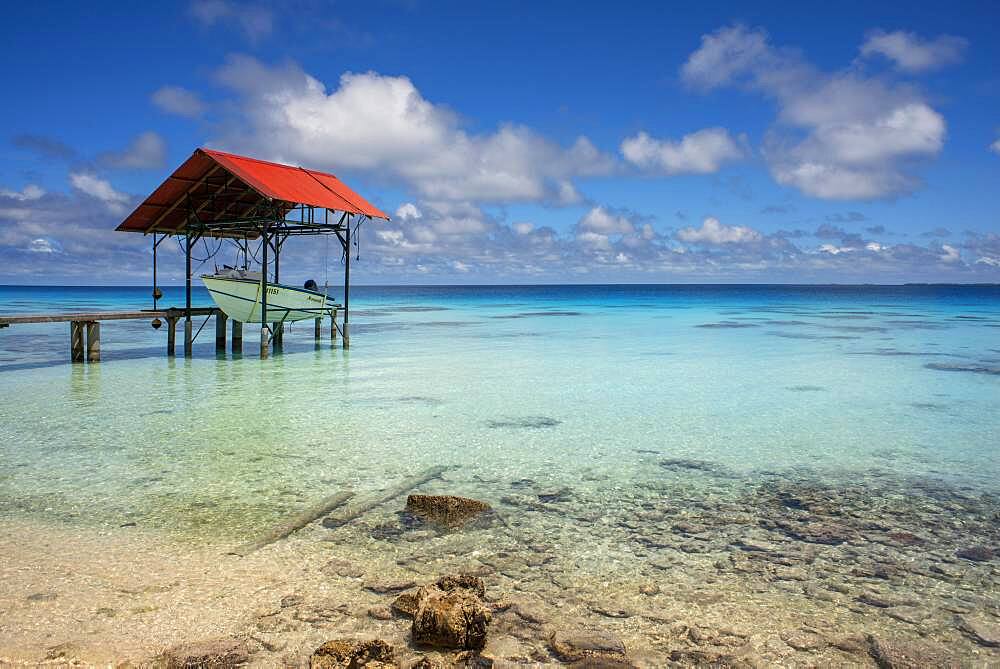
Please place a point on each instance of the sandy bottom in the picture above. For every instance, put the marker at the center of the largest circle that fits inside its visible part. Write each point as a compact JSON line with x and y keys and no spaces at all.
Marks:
{"x":779,"y":571}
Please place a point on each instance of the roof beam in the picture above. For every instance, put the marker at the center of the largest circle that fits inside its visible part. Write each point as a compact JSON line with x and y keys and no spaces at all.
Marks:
{"x":159,"y":219}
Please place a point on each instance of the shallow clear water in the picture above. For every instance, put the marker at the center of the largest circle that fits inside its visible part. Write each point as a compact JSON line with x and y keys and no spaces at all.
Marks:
{"x":559,"y":385}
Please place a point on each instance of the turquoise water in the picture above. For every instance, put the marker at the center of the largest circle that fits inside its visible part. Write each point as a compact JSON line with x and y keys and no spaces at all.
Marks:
{"x":557,"y":385}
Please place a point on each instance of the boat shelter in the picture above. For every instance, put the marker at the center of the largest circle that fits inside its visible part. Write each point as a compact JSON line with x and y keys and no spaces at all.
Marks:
{"x":222,"y":195}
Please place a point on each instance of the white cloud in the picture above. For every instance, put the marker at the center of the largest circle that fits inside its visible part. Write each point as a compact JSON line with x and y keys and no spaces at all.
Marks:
{"x":383,"y":124}
{"x":28,"y":193}
{"x":408,"y":212}
{"x":725,"y":54}
{"x":912,"y":53}
{"x":603,"y":222}
{"x":99,"y":189}
{"x":178,"y":101}
{"x":950,"y":254}
{"x":995,"y":147}
{"x":714,"y":232}
{"x":146,"y":151}
{"x":254,"y":21}
{"x":523,"y":228}
{"x":701,"y":152}
{"x":839,"y":135}
{"x":42,"y":245}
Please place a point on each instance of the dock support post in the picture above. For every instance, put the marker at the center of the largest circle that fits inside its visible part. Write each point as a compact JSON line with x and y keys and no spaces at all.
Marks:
{"x":237,"y":337}
{"x":333,"y":325}
{"x":171,"y":336}
{"x":76,"y":341}
{"x":263,"y":294}
{"x":187,"y":296}
{"x":346,"y":329}
{"x":94,"y":341}
{"x":318,"y":329}
{"x":220,"y":331}
{"x":279,"y":331}
{"x":188,"y":337}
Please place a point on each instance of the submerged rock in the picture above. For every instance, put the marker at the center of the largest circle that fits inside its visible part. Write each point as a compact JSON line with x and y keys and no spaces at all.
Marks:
{"x":905,"y":654}
{"x":209,"y":654}
{"x":587,"y":645}
{"x":525,"y":422}
{"x":451,"y":613}
{"x":830,"y":534}
{"x":804,"y":640}
{"x":976,"y":553}
{"x":983,"y":632}
{"x":446,"y":510}
{"x":353,"y":654}
{"x":700,"y":466}
{"x":405,"y":604}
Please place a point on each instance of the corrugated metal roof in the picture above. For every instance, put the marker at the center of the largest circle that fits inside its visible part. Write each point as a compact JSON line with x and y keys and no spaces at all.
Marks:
{"x":240,"y":182}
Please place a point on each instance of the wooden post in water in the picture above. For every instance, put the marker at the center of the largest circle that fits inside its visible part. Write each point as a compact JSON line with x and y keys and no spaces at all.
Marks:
{"x":279,"y":333}
{"x":94,"y":341}
{"x":171,"y":336}
{"x":346,"y":327}
{"x":220,"y":331}
{"x":237,"y":337}
{"x":76,"y":341}
{"x":263,"y":297}
{"x":188,"y":338}
{"x":333,"y":325}
{"x":188,"y":332}
{"x":318,"y":329}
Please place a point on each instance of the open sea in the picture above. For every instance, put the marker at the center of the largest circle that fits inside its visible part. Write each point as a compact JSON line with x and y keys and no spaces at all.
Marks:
{"x":591,"y":417}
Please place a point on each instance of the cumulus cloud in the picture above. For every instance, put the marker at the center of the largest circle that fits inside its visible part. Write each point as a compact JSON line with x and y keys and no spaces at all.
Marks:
{"x":69,"y":237}
{"x":701,"y":152}
{"x":840,"y":135}
{"x":912,"y":53}
{"x":28,"y":193}
{"x":714,"y":232}
{"x":254,"y":21}
{"x":995,"y":147}
{"x":178,"y":101}
{"x":408,"y":212}
{"x":42,"y":245}
{"x":146,"y":151}
{"x":100,"y":189}
{"x":384,"y":124}
{"x":602,"y":221}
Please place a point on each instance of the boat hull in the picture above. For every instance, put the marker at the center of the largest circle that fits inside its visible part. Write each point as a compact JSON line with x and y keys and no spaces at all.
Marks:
{"x":240,"y":300}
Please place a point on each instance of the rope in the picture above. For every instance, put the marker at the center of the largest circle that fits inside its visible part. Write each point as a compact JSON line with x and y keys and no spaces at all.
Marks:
{"x":201,"y":261}
{"x":201,"y":328}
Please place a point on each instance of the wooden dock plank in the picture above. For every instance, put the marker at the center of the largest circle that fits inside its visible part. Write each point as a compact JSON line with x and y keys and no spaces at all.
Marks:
{"x":15,"y":319}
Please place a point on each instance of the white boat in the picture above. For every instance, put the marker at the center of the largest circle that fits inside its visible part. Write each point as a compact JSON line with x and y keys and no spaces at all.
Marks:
{"x":238,"y":293}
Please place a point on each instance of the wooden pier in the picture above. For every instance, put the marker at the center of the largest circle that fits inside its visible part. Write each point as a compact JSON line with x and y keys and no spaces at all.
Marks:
{"x":85,"y":329}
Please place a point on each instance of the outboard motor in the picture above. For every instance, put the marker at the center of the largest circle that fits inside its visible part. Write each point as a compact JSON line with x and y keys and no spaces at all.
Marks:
{"x":311,"y":285}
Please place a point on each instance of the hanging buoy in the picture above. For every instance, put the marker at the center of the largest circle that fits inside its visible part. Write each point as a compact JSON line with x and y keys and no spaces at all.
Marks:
{"x":157,"y":294}
{"x":156,"y":323}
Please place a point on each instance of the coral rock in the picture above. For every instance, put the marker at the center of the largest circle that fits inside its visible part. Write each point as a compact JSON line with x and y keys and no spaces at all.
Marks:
{"x":578,"y":645}
{"x":451,"y":614}
{"x":446,"y":510}
{"x":210,"y":654}
{"x":405,"y":604}
{"x":353,"y":654}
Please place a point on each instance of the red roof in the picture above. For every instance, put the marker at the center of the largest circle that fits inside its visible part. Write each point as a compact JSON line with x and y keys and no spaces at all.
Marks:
{"x":223,"y":185}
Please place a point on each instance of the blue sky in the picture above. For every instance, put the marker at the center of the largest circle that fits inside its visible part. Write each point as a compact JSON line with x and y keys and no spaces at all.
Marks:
{"x":521,"y":143}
